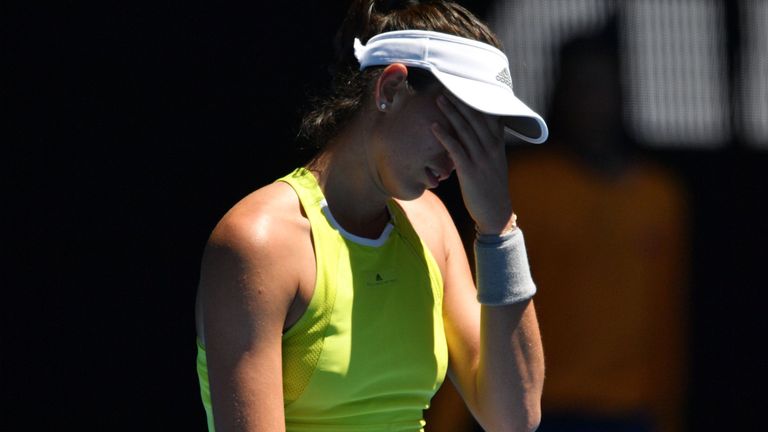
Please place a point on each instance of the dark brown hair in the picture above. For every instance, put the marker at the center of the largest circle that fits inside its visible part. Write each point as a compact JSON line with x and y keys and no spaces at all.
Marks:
{"x":350,"y":87}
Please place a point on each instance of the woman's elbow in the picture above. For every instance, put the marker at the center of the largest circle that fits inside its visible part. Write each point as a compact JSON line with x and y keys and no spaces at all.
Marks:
{"x":525,"y":419}
{"x":532,"y":414}
{"x":532,"y":419}
{"x":528,"y":421}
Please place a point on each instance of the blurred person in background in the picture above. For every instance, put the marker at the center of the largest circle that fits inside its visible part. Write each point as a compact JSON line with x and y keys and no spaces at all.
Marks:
{"x":607,"y":238}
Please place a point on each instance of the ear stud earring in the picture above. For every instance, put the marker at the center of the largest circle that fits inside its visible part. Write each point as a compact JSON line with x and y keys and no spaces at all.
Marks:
{"x":383,"y":106}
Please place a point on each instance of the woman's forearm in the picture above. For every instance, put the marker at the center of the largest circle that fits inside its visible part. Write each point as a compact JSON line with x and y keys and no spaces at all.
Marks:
{"x":510,"y":373}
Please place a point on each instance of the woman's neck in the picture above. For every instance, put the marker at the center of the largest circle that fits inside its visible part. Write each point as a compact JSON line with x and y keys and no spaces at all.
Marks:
{"x":342,"y":170}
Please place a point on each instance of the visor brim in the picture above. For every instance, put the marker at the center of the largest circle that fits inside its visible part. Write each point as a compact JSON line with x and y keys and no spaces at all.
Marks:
{"x":519,"y":120}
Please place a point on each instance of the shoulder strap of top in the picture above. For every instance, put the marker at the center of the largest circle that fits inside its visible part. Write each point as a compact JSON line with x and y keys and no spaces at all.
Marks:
{"x":303,"y":342}
{"x":403,"y":224}
{"x":311,"y":196}
{"x":406,"y":231}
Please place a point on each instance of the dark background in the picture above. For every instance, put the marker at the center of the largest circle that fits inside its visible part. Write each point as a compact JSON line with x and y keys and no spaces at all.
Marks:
{"x":131,"y":128}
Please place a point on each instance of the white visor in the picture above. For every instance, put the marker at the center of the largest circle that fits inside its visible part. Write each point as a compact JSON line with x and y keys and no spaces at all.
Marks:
{"x":477,"y":73}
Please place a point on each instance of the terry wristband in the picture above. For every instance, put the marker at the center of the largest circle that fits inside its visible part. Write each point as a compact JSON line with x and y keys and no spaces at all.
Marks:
{"x":502,"y":271}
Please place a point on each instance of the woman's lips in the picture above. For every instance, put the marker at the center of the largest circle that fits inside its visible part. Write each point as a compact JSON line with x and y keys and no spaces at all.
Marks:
{"x":436,"y":176}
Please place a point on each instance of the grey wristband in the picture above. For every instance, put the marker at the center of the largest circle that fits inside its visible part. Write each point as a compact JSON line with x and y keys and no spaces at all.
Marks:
{"x":502,"y":271}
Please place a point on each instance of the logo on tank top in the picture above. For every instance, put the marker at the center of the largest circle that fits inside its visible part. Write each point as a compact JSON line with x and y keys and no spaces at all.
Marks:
{"x":380,"y":278}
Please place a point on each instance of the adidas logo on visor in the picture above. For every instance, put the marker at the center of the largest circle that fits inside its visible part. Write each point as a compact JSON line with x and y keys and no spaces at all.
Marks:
{"x":505,"y":78}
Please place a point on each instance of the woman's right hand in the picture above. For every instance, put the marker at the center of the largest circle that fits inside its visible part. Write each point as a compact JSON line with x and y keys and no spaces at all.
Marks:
{"x":478,"y":152}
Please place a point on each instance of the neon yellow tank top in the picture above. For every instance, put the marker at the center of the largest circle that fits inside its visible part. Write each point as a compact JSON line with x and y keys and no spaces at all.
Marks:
{"x":370,"y":351}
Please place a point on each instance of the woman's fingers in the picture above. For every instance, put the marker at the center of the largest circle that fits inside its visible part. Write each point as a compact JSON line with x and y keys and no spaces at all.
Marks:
{"x":477,"y":149}
{"x":495,"y":126}
{"x":454,"y":147}
{"x":478,"y":135}
{"x":484,"y":127}
{"x":464,"y":130}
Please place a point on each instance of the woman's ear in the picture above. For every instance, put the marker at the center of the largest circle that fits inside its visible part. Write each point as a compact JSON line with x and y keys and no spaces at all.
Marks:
{"x":391,"y":81}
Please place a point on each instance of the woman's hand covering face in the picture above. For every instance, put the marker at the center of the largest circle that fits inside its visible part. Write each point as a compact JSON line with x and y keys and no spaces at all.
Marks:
{"x":478,"y":151}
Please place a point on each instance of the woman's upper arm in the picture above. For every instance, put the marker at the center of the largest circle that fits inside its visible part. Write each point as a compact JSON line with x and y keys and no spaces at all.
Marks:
{"x":245,"y":291}
{"x":461,"y":316}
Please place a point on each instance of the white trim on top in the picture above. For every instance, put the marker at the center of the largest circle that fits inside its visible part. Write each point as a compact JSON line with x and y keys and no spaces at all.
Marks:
{"x":354,"y":238}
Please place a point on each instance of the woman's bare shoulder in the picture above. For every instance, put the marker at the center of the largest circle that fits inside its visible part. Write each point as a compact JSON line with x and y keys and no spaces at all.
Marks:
{"x":270,"y":214}
{"x":253,"y":262}
{"x":260,"y":243}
